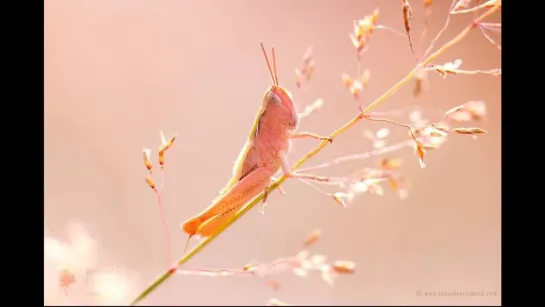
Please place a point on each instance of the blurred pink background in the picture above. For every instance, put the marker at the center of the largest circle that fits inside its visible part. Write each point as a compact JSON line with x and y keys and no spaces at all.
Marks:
{"x":117,"y":72}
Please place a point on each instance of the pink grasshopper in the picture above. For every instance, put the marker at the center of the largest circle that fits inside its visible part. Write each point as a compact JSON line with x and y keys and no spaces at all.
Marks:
{"x":264,"y":153}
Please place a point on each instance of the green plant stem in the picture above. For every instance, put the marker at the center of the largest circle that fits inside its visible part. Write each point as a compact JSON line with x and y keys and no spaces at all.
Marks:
{"x":317,"y":149}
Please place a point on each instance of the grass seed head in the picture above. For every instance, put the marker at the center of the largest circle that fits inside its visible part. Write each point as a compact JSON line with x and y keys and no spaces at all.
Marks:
{"x":363,"y":29}
{"x":356,"y":86}
{"x":305,"y":74}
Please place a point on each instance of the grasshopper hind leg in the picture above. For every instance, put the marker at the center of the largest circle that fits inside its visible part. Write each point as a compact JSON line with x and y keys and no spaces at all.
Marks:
{"x":266,"y":194}
{"x":213,"y":224}
{"x":191,"y":227}
{"x":229,"y":203}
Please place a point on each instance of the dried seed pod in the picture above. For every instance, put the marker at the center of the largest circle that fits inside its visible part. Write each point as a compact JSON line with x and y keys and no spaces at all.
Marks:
{"x":313,"y":238}
{"x":448,"y":68}
{"x":421,"y":82}
{"x":454,"y":110}
{"x":147,"y":161}
{"x":434,"y":132}
{"x":298,"y":78}
{"x":365,"y":78}
{"x":356,"y":86}
{"x":428,"y":146}
{"x":150,"y":183}
{"x":248,"y":267}
{"x":347,"y":80}
{"x":353,"y":85}
{"x":309,"y":70}
{"x":357,"y":43}
{"x":441,"y":126}
{"x":344,"y":267}
{"x":162,"y":156}
{"x":339,"y":198}
{"x":374,"y":16}
{"x":393,"y":183}
{"x":163,"y":140}
{"x":390,"y":164}
{"x":407,"y":15}
{"x":355,"y":89}
{"x":420,"y":152}
{"x":469,"y":130}
{"x":170,"y":142}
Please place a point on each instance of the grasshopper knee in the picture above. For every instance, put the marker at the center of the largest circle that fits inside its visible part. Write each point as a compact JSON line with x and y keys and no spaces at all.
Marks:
{"x":192,"y":225}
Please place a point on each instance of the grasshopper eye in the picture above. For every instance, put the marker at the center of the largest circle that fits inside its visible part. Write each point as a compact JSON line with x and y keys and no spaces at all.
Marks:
{"x":272,"y":97}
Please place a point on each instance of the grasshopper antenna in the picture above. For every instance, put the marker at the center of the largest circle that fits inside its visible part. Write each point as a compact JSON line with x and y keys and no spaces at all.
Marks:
{"x":272,"y":71}
{"x":274,"y":66}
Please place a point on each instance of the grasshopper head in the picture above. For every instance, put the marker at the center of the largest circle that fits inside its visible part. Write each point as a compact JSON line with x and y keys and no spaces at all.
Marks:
{"x":277,"y":99}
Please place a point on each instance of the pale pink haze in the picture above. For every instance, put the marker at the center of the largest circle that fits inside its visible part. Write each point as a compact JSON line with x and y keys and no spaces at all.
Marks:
{"x":118,"y":71}
{"x":89,"y":281}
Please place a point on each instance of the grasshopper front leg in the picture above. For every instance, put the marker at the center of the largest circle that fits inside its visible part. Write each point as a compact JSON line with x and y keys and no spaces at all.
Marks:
{"x":286,"y":169}
{"x":300,"y":135}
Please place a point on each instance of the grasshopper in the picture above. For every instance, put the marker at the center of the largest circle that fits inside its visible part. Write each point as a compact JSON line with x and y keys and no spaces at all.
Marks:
{"x":263,"y":154}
